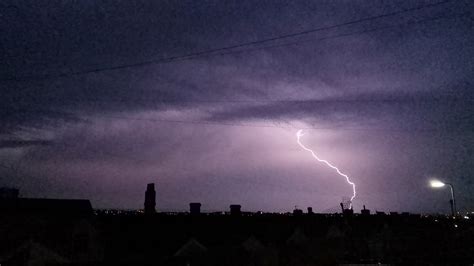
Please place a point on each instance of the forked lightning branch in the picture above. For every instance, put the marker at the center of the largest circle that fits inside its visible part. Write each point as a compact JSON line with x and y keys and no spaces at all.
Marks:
{"x":299,"y":134}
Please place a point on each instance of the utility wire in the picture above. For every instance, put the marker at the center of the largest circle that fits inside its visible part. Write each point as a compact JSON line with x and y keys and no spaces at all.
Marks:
{"x":261,"y":101}
{"x":164,"y":101}
{"x":195,"y":55}
{"x":333,"y":36}
{"x":306,"y":32}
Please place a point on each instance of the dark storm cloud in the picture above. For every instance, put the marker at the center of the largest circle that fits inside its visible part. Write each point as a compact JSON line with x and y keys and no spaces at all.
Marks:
{"x":63,"y":37}
{"x":22,"y":143}
{"x":19,"y":115}
{"x":436,"y":110}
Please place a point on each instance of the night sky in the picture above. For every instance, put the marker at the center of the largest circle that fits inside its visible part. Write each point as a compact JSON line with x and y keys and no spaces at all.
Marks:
{"x":99,"y":98}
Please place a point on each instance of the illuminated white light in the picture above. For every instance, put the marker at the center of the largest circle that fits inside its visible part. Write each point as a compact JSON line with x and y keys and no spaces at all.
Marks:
{"x":299,"y":134}
{"x":466,"y":217}
{"x":436,"y":183}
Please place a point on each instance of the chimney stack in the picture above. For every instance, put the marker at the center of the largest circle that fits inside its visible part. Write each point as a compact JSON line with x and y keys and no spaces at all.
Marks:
{"x":235,"y":210}
{"x":365,"y":211}
{"x":150,"y":199}
{"x":195,"y":208}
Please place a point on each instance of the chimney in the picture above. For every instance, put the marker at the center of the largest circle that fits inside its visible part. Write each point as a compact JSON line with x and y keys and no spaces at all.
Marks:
{"x":195,"y":208}
{"x":310,"y":210}
{"x":365,"y":211}
{"x":150,"y":199}
{"x":235,"y":210}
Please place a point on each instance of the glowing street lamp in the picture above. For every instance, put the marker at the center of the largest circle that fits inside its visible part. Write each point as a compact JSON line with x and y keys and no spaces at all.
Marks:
{"x":439,"y":184}
{"x":436,"y":183}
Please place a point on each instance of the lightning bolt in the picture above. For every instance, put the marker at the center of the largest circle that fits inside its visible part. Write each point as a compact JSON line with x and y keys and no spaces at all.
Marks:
{"x":299,"y":134}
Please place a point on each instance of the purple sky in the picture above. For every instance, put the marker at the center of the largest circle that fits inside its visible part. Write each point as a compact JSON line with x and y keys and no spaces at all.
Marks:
{"x":390,"y":107}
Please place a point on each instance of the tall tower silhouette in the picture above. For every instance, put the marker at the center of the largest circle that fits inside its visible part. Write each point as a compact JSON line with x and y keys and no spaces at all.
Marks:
{"x":150,"y":199}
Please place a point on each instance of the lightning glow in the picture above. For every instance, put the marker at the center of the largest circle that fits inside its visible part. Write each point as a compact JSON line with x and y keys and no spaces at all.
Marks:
{"x":299,"y":134}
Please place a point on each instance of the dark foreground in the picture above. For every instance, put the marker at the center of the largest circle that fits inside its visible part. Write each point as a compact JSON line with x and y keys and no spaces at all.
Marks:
{"x":80,"y":238}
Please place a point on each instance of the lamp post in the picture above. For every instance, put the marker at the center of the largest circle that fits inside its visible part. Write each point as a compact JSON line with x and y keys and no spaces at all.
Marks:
{"x":439,"y":184}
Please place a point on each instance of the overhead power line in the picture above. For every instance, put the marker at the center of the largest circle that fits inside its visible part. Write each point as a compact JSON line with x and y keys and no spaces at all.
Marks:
{"x":184,"y":101}
{"x":410,"y":23}
{"x":215,"y":50}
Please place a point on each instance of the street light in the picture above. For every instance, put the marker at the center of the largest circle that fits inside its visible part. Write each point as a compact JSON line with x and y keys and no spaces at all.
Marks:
{"x":439,"y":184}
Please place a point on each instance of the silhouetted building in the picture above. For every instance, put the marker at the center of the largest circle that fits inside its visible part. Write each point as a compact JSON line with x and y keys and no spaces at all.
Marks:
{"x":59,"y":207}
{"x":48,"y":232}
{"x":348,"y":212}
{"x":195,"y":208}
{"x":267,"y":239}
{"x":150,"y":199}
{"x":32,"y":253}
{"x":310,"y":210}
{"x":297,"y":212}
{"x":365,"y":211}
{"x":9,"y":193}
{"x":235,"y":210}
{"x":191,"y":249}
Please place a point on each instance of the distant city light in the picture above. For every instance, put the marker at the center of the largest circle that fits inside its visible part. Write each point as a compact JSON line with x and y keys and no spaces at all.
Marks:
{"x":436,"y":183}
